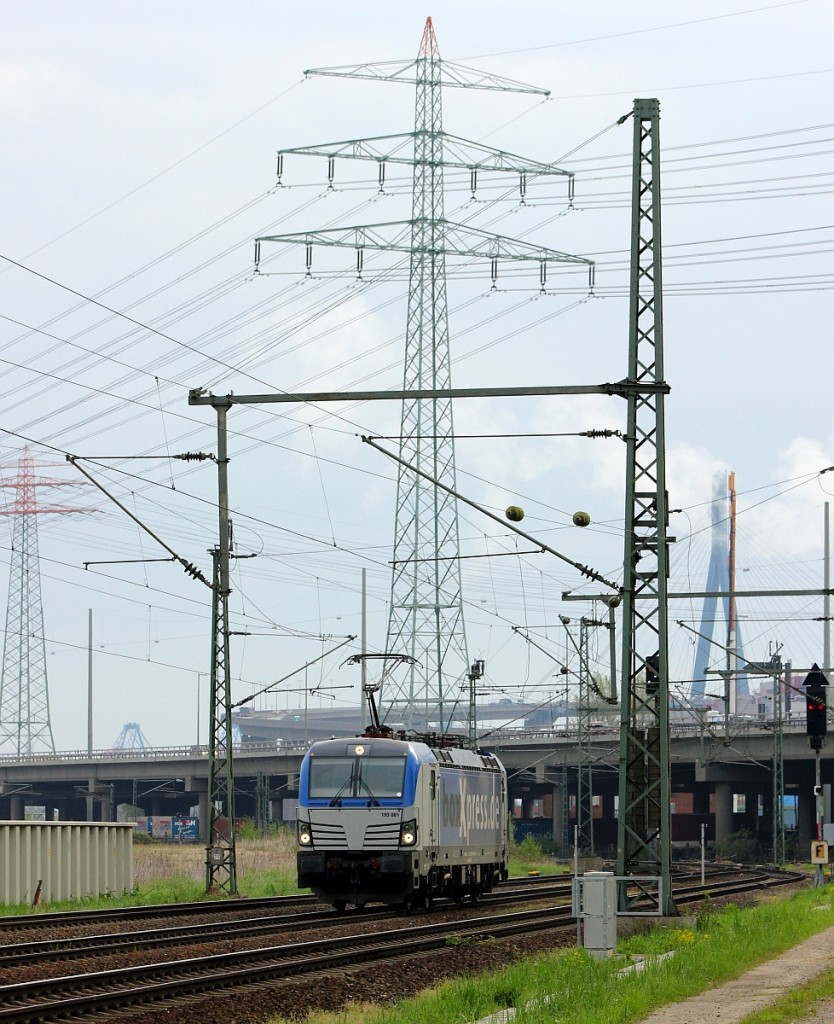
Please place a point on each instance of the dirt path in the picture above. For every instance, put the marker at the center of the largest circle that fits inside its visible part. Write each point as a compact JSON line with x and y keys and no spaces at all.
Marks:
{"x":731,"y":1002}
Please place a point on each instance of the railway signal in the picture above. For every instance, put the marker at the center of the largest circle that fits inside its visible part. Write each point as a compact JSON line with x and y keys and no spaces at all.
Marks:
{"x":816,"y":706}
{"x":652,"y":673}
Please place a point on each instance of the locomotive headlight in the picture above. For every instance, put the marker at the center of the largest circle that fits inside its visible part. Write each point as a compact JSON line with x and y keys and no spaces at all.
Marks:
{"x":408,"y":833}
{"x":305,"y":836}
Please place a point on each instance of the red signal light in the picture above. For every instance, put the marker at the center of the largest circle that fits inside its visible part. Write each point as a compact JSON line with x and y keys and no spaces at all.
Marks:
{"x":816,"y":717}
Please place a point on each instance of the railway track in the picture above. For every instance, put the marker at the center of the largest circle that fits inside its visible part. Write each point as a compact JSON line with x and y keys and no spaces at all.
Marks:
{"x":123,"y":990}
{"x":212,"y":908}
{"x":216,"y":910}
{"x":77,"y":947}
{"x":51,"y":998}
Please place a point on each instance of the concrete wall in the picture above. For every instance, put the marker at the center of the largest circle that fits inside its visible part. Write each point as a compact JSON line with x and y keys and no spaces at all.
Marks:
{"x":71,"y":859}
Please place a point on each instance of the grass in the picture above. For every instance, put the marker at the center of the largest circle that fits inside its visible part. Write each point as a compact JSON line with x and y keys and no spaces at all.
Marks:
{"x":798,"y":1003}
{"x":527,"y":858}
{"x":570,"y":987}
{"x":175,"y":873}
{"x":565,"y":985}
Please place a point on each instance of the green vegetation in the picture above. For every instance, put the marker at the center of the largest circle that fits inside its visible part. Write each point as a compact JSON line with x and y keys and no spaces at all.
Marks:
{"x":528,"y":857}
{"x":169,"y":890}
{"x":740,"y":847}
{"x":175,"y":873}
{"x":571,"y":987}
{"x":565,"y":985}
{"x":798,"y":1003}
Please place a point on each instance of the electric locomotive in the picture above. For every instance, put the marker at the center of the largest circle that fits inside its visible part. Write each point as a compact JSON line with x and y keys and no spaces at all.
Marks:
{"x":399,"y":821}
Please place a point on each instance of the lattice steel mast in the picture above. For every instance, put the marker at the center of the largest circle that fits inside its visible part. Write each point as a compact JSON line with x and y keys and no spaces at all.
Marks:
{"x":644,"y":820}
{"x":25,"y":726}
{"x":221,"y":856}
{"x":426,"y":608}
{"x":426,"y":619}
{"x":584,"y":767}
{"x":221,"y":849}
{"x":778,"y":765}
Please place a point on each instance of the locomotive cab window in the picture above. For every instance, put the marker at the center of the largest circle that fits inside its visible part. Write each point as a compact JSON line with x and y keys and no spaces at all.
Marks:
{"x":383,"y":776}
{"x":330,"y":776}
{"x":361,"y":777}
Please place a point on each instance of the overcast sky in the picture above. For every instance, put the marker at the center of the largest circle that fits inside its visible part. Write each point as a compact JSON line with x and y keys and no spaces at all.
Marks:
{"x":139,"y":166}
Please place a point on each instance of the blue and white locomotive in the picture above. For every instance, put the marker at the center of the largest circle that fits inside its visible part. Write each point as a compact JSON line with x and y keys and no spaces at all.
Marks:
{"x":399,"y":821}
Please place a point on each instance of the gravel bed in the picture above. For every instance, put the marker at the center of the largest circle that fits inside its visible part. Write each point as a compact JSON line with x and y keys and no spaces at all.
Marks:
{"x":11,"y":936}
{"x":381,"y":982}
{"x":386,"y":982}
{"x":190,"y":949}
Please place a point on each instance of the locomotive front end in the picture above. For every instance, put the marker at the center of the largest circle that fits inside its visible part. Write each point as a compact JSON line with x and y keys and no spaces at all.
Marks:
{"x":358,"y":827}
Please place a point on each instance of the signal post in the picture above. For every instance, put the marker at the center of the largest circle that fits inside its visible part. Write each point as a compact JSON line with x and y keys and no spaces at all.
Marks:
{"x":816,"y":726}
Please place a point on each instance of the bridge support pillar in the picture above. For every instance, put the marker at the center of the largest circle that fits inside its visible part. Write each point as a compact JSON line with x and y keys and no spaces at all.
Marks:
{"x":197,"y":788}
{"x":17,"y":808}
{"x":751,"y":808}
{"x":203,"y":815}
{"x":723,"y":810}
{"x":700,"y":798}
{"x":558,"y":818}
{"x":806,"y":820}
{"x":90,"y":799}
{"x":608,"y":797}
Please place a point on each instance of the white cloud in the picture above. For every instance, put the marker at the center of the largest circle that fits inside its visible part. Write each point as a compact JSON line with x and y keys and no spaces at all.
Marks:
{"x":27,"y":86}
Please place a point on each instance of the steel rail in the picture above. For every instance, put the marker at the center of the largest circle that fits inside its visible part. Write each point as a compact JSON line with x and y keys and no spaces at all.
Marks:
{"x":164,"y":910}
{"x":51,"y":999}
{"x":77,"y":947}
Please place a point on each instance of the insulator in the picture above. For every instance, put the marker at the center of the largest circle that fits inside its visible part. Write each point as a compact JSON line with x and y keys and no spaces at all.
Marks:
{"x":570,"y":189}
{"x":473,"y":181}
{"x":522,"y":186}
{"x":381,"y":176}
{"x":494,"y":270}
{"x":591,"y":275}
{"x":257,"y":256}
{"x":598,"y":433}
{"x":331,"y":170}
{"x":279,"y":168}
{"x":543,"y":274}
{"x":360,"y":259}
{"x":309,"y":258}
{"x":194,"y":456}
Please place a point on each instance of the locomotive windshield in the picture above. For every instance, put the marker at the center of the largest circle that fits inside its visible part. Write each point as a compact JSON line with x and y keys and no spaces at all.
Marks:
{"x":383,"y":776}
{"x":329,"y":775}
{"x":344,"y":777}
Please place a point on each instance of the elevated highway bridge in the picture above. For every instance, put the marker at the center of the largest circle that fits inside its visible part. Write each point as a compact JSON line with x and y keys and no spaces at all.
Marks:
{"x":722,"y":781}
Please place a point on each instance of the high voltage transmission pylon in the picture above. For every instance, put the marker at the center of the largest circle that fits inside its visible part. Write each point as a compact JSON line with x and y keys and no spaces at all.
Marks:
{"x":25,"y":726}
{"x":426,"y":620}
